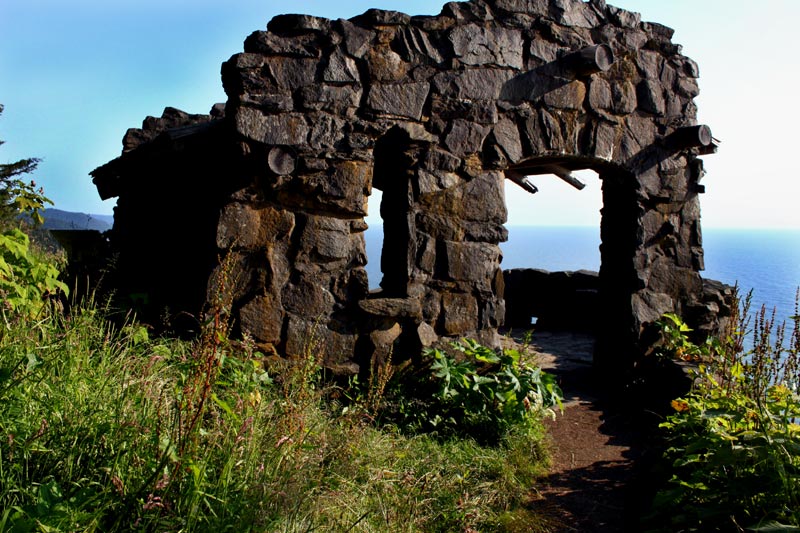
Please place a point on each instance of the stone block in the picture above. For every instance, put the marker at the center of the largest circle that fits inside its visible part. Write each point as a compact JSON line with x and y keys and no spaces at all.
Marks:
{"x":459,"y":314}
{"x":477,"y":111}
{"x":326,"y":238}
{"x":327,"y":131}
{"x":357,"y":40}
{"x":386,"y":65}
{"x":567,"y":96}
{"x":403,"y":100}
{"x":600,"y":94}
{"x":506,"y":135}
{"x":472,"y":262}
{"x":438,"y":159}
{"x":476,"y":45}
{"x":298,"y":24}
{"x":574,"y":14}
{"x":426,"y":335}
{"x":392,"y":307}
{"x":473,"y":84}
{"x":307,"y":297}
{"x":650,"y":97}
{"x":623,"y":97}
{"x":290,"y":73}
{"x":465,"y":137}
{"x":484,"y":198}
{"x":284,"y":129}
{"x":340,"y":69}
{"x":267,"y":43}
{"x":336,"y":349}
{"x":347,"y":186}
{"x":533,"y":7}
{"x":262,"y":317}
{"x":415,"y":46}
{"x":243,"y":226}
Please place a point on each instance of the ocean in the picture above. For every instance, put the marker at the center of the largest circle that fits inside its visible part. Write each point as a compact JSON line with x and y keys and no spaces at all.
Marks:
{"x":766,"y":261}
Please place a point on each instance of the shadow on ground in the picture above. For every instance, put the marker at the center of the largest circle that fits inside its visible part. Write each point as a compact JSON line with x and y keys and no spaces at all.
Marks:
{"x":596,"y":447}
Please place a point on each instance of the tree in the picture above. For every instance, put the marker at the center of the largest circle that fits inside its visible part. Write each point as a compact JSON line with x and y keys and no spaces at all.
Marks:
{"x":18,"y":197}
{"x":27,"y":278}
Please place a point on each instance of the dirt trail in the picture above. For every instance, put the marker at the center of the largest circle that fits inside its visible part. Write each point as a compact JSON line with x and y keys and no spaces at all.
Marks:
{"x":594,"y":449}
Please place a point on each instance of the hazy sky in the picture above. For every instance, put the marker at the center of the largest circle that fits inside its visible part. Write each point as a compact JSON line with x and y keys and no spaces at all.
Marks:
{"x":75,"y":75}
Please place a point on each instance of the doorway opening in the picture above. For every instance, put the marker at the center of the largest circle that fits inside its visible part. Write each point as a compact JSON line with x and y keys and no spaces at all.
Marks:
{"x":551,"y":260}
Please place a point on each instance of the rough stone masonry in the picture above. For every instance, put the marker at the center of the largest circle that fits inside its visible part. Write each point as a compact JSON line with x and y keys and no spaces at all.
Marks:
{"x":265,"y":198}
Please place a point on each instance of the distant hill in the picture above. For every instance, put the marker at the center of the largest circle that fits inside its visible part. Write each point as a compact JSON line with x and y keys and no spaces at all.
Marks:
{"x":59,"y":220}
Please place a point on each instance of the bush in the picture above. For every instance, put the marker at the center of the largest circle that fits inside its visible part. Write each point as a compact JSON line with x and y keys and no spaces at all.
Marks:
{"x":483,"y":394}
{"x":732,"y":453}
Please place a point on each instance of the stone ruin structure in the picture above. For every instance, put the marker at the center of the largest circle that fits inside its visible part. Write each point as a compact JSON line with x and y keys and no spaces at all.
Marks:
{"x":436,"y":112}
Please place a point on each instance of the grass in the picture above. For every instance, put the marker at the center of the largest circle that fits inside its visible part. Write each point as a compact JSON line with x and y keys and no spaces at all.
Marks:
{"x":106,"y":429}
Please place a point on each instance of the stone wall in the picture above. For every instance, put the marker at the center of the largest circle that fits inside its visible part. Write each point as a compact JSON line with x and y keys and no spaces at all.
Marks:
{"x":436,"y":112}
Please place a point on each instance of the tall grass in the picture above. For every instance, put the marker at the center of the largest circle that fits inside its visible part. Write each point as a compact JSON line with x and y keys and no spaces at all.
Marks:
{"x":107,"y":429}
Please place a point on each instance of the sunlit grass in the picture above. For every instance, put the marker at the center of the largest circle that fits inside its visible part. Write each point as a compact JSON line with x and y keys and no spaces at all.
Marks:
{"x":107,"y":429}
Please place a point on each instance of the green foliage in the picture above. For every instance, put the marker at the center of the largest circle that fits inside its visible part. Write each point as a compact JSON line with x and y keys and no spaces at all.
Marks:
{"x":18,"y":196}
{"x":27,"y":279}
{"x":733,"y":444}
{"x":482,"y":394}
{"x":105,"y":429}
{"x":674,"y":342}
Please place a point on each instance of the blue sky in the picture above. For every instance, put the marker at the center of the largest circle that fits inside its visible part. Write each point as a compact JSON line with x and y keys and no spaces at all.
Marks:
{"x":75,"y":75}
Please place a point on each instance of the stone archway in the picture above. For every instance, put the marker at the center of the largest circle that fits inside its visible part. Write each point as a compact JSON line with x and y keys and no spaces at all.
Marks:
{"x":436,"y":112}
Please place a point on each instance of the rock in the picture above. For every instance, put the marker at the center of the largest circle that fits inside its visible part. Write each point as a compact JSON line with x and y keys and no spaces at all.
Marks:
{"x":357,"y":40}
{"x":473,"y":84}
{"x":465,"y":137}
{"x":650,"y":97}
{"x":567,"y":96}
{"x":475,"y":45}
{"x":262,"y":317}
{"x":243,"y":226}
{"x":426,"y":335}
{"x":331,"y":99}
{"x":472,"y":262}
{"x":404,"y":100}
{"x":284,"y":129}
{"x":535,"y":7}
{"x":382,"y":17}
{"x":267,"y":43}
{"x":341,"y":69}
{"x":392,"y":307}
{"x":298,"y":24}
{"x":460,"y":314}
{"x":386,"y":65}
{"x":415,"y":46}
{"x":600,"y":94}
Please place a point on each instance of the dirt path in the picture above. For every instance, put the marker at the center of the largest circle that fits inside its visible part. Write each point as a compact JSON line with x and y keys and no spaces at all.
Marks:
{"x":594,"y":449}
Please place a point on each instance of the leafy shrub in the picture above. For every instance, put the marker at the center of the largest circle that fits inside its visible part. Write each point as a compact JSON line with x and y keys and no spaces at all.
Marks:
{"x":26,"y":278}
{"x":733,"y":444}
{"x":482,"y":394}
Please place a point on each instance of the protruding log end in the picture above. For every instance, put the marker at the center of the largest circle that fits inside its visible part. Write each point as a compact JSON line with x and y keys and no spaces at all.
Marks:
{"x":691,"y":137}
{"x":591,"y":60}
{"x":281,"y":161}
